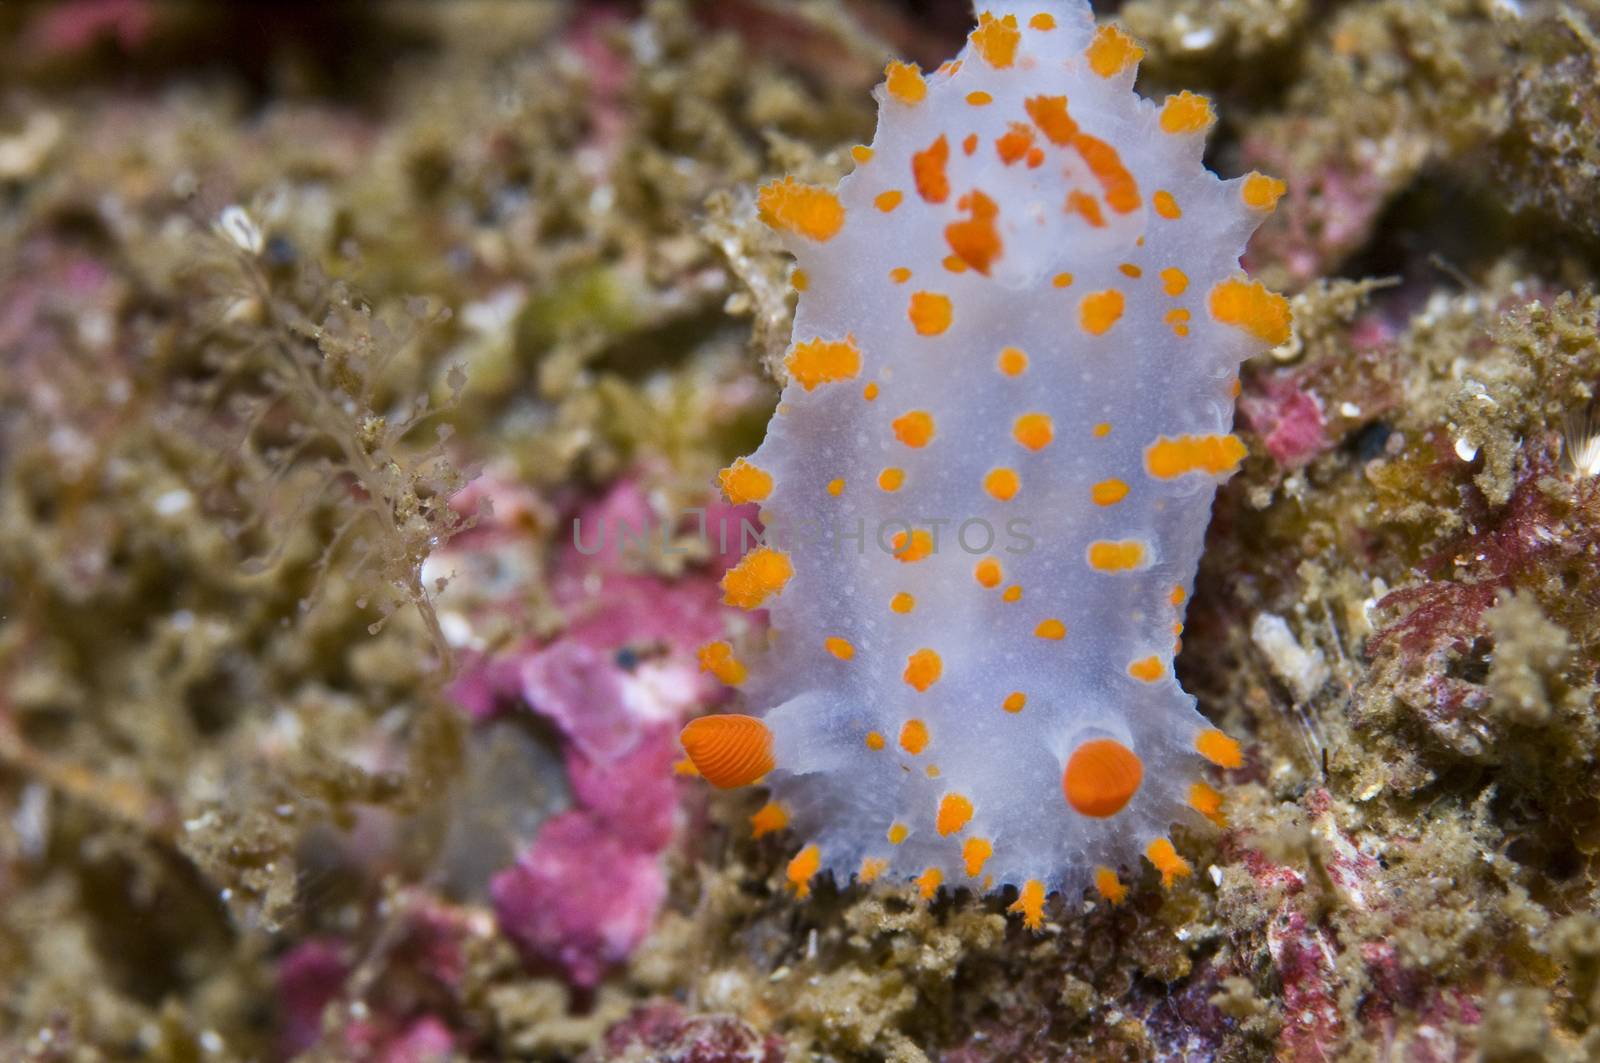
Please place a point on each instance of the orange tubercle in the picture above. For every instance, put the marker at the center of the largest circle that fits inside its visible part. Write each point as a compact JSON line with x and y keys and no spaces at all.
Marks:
{"x":914,"y":737}
{"x":923,"y":669}
{"x":802,"y":869}
{"x":1172,"y":866}
{"x":1112,"y":51}
{"x":1030,"y":902}
{"x":996,"y":39}
{"x":930,"y":313}
{"x":905,"y":82}
{"x":1251,"y":306}
{"x":1208,"y":802}
{"x":1109,"y":886}
{"x":769,"y":818}
{"x":743,"y":482}
{"x":819,"y":361}
{"x":840,"y":648}
{"x":1033,"y":430}
{"x":718,"y":659}
{"x":955,"y":810}
{"x":760,"y":574}
{"x":913,"y":428}
{"x":928,"y":883}
{"x":1219,"y":749}
{"x":805,"y":210}
{"x":975,"y":852}
{"x":1215,"y":454}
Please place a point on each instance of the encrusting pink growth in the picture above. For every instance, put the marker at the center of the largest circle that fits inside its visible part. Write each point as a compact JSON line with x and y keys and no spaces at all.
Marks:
{"x":1011,"y":387}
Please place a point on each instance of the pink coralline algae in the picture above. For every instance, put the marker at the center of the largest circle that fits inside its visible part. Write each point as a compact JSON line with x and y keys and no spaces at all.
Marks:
{"x":616,"y":684}
{"x":1289,"y":421}
{"x":580,"y":897}
{"x":662,"y":1033}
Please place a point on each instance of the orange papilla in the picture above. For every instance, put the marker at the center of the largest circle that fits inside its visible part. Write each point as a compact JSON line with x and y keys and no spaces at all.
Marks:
{"x":729,"y":749}
{"x":1101,"y":776}
{"x":1014,"y":143}
{"x":1121,"y":190}
{"x":928,"y":171}
{"x":976,"y":240}
{"x":1050,"y":114}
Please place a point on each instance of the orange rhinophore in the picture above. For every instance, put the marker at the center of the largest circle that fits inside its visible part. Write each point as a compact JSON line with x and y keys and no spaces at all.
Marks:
{"x":729,"y":749}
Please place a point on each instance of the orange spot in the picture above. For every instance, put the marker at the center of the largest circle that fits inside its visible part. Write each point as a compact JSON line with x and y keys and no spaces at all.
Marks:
{"x":954,"y":263}
{"x":928,"y":171}
{"x":871,"y":868}
{"x":1101,"y":777}
{"x":1049,"y":113}
{"x":1002,"y":484}
{"x":1098,"y":311}
{"x":996,"y":39}
{"x":1030,"y":902}
{"x":1178,"y":319}
{"x":1014,"y":701}
{"x":800,"y":279}
{"x":875,"y":741}
{"x":1178,"y":596}
{"x":1012,"y":593}
{"x":955,"y":810}
{"x":769,"y":818}
{"x":1043,"y":21}
{"x":728,"y":749}
{"x":805,"y":210}
{"x":1147,"y":669}
{"x":1219,"y":749}
{"x":835,"y":488}
{"x":684,"y":766}
{"x":913,"y":547}
{"x":1168,"y":458}
{"x":1102,"y":429}
{"x":802,"y":869}
{"x":928,"y":882}
{"x":759,"y":574}
{"x":870,"y":392}
{"x":902,"y":603}
{"x":861,"y":154}
{"x":1014,"y":143}
{"x":1186,"y":113}
{"x":1052,"y":629}
{"x":839,"y":647}
{"x":975,"y":852}
{"x":1253,"y":307}
{"x":1112,"y":51}
{"x":742,"y":482}
{"x":1261,"y":192}
{"x":1012,"y":362}
{"x":718,"y":659}
{"x":987,"y":572}
{"x":1167,"y":861}
{"x":1033,"y":430}
{"x":1086,"y":207}
{"x":930,"y":313}
{"x":900,"y":274}
{"x":1123,"y":556}
{"x":898,"y":832}
{"x":975,"y":240}
{"x":913,"y":738}
{"x":1208,"y":802}
{"x":1035,"y":158}
{"x":905,"y":82}
{"x":821,"y":361}
{"x":1121,"y":190}
{"x":979,"y":99}
{"x":891,"y":479}
{"x":923,"y":669}
{"x":1166,"y":206}
{"x":933,"y":771}
{"x":1174,"y":281}
{"x":1234,"y":387}
{"x":970,"y":144}
{"x":887,"y":201}
{"x":1109,"y":886}
{"x":1108,"y":492}
{"x":1128,"y":269}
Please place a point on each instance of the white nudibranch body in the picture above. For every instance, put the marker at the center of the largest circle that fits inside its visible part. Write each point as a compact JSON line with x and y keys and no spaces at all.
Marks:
{"x":1011,"y":386}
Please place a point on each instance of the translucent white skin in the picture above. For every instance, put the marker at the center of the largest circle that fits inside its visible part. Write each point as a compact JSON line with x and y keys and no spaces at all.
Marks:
{"x":1139,"y":377}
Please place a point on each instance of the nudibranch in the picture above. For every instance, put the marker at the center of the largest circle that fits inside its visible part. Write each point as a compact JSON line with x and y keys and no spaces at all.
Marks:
{"x":987,"y":483}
